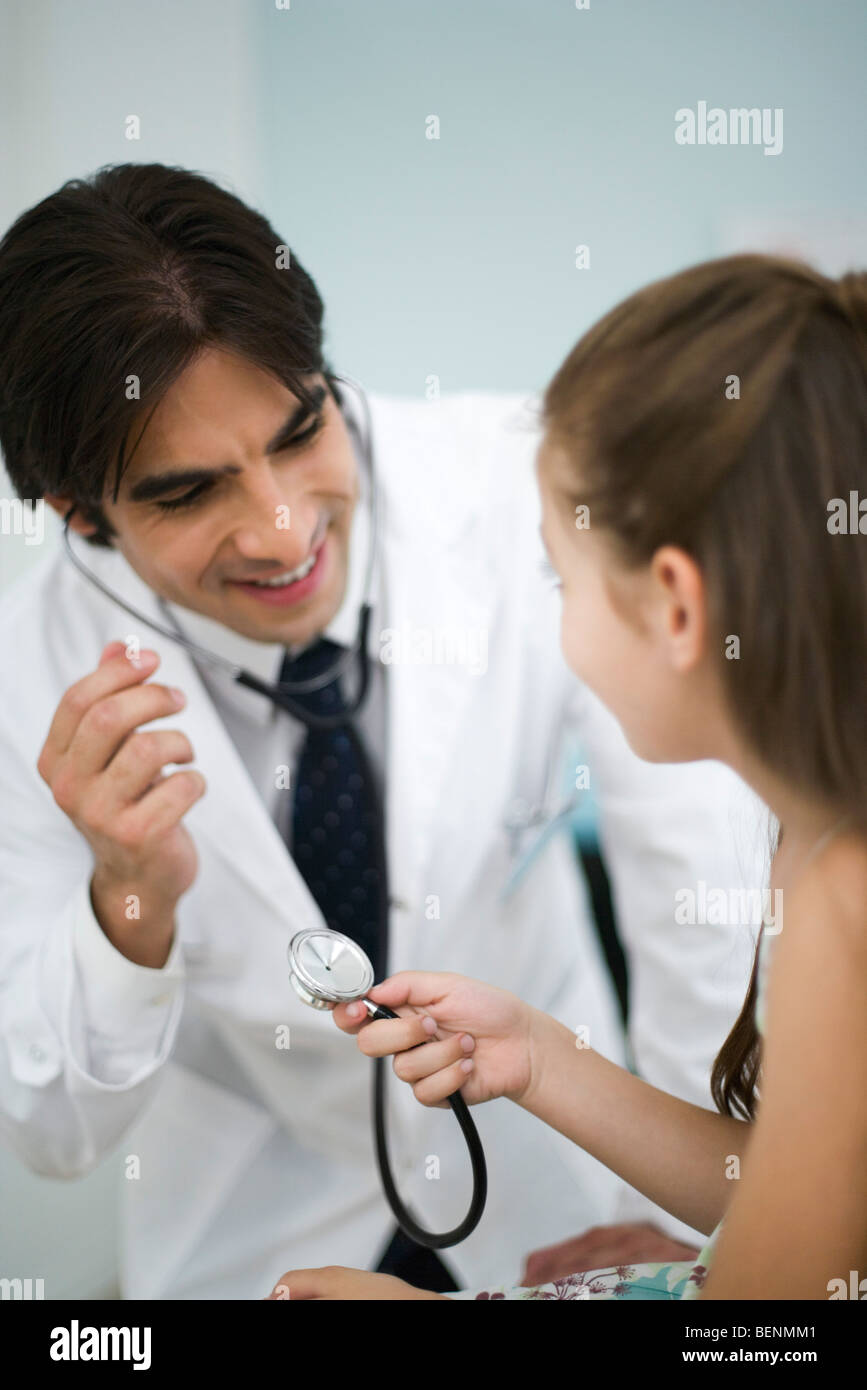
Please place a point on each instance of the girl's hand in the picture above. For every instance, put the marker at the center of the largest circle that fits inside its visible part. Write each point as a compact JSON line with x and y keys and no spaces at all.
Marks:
{"x":337,"y":1282}
{"x":468,"y":1022}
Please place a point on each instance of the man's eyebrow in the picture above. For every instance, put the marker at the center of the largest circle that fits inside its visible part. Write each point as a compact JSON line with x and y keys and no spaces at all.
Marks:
{"x":155,"y":484}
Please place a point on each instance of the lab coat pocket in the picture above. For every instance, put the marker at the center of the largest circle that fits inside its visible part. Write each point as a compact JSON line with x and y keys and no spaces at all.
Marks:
{"x":192,"y":1145}
{"x":529,"y":841}
{"x":541,"y":805}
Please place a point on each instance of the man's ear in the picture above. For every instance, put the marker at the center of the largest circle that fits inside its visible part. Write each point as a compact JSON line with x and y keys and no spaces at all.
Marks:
{"x":77,"y":522}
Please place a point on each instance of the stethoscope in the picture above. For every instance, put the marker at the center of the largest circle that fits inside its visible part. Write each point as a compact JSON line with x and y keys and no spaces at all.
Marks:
{"x":327,"y":968}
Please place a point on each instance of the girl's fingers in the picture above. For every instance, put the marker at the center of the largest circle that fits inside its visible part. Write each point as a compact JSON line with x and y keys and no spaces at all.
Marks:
{"x":424,"y":1061}
{"x":435,"y":1068}
{"x":376,"y":1042}
{"x":382,"y":1036}
{"x":434,"y":1090}
{"x":418,"y":988}
{"x":347,"y":1023}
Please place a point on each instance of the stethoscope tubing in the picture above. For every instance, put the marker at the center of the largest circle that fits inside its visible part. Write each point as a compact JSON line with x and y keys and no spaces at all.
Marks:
{"x":429,"y":1239}
{"x":406,"y":1222}
{"x":280,"y":696}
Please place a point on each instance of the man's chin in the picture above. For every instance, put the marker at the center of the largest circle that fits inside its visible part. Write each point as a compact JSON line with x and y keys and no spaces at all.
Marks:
{"x":273,"y":624}
{"x":292,"y":613}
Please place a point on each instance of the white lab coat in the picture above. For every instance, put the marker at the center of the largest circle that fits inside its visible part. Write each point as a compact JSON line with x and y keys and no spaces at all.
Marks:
{"x":253,"y":1158}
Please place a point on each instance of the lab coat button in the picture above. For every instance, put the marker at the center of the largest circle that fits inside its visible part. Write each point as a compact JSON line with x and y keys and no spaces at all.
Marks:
{"x":37,"y":1053}
{"x":399,"y":904}
{"x":161,"y":999}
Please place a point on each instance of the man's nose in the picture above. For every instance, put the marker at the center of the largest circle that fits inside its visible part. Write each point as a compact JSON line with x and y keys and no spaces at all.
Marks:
{"x":268,"y":523}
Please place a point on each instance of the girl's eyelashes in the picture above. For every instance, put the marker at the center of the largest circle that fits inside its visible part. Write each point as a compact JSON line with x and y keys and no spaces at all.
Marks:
{"x":189,"y":499}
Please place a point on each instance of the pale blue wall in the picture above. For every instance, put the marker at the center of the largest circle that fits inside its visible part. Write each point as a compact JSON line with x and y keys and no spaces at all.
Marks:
{"x":557,"y":127}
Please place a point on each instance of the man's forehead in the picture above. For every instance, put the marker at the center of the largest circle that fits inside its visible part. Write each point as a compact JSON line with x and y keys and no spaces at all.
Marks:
{"x":153,"y":445}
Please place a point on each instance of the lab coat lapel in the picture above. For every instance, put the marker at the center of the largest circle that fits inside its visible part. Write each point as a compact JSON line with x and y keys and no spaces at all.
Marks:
{"x":231,"y":816}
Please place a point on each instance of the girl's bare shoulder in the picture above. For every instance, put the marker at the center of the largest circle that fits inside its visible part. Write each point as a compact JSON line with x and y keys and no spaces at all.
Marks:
{"x":831,"y":895}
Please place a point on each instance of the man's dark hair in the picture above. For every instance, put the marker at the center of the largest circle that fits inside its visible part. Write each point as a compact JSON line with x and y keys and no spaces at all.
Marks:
{"x":133,"y":273}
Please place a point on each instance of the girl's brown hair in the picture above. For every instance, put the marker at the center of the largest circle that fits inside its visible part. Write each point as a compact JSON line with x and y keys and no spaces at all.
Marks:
{"x":724,"y":411}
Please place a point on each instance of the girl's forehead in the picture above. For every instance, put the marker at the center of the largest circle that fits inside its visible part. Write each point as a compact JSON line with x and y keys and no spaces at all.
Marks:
{"x":554,"y":465}
{"x":548,"y":457}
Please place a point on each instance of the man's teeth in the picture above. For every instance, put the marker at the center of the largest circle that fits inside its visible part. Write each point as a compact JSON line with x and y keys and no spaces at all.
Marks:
{"x":290,"y":577}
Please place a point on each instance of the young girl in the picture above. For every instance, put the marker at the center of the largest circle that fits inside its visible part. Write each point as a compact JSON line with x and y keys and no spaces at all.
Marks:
{"x":715,"y":426}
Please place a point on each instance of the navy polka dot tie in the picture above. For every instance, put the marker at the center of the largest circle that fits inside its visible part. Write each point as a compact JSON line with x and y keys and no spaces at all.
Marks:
{"x":338,"y":841}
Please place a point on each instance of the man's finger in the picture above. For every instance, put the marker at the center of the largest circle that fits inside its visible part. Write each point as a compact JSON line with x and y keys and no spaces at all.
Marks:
{"x":114,"y":674}
{"x":106,"y":726}
{"x":110,"y":650}
{"x":160,"y":809}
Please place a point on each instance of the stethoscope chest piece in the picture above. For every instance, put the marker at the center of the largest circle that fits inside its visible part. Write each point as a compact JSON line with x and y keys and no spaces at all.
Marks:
{"x":328,"y":968}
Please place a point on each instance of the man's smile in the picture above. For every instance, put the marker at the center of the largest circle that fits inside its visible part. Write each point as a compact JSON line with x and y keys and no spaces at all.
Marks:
{"x":286,"y":587}
{"x":287,"y":577}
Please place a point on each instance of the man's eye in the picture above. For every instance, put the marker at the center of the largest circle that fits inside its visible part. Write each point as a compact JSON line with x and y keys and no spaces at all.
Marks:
{"x":302,"y":436}
{"x":187,"y":499}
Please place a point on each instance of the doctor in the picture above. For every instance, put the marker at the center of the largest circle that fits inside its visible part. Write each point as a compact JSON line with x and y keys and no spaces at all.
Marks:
{"x":165,"y":830}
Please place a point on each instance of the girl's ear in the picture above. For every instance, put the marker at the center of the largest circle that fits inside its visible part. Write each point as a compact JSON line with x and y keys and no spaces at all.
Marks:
{"x":77,"y":522}
{"x":679,"y":606}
